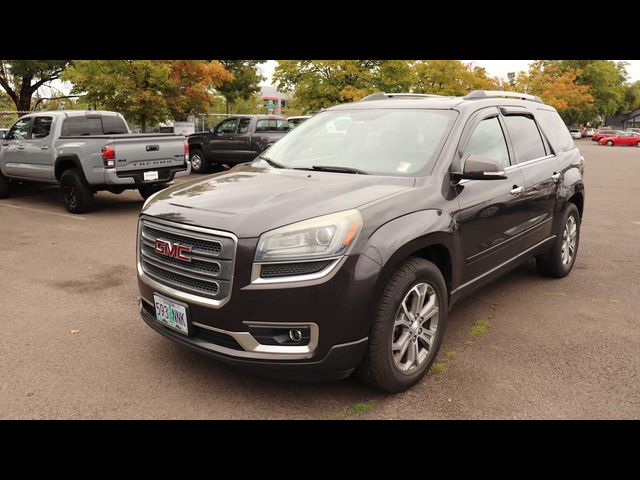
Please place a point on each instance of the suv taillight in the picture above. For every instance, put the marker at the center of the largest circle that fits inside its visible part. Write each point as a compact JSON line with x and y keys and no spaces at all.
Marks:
{"x":186,"y":149}
{"x":109,"y":155}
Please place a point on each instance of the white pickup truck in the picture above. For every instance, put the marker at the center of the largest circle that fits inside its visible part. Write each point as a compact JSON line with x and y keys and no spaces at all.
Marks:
{"x":89,"y":151}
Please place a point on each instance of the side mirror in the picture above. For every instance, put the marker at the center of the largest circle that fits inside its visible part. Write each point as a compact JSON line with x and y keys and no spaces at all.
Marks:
{"x":483,"y":168}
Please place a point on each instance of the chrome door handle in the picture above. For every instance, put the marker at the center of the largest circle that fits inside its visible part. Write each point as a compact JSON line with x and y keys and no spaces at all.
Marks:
{"x":555,"y":177}
{"x":20,"y":147}
{"x":515,"y":191}
{"x":44,"y":147}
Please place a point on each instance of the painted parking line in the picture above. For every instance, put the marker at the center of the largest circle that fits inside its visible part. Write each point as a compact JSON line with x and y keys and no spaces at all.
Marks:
{"x":75,"y":217}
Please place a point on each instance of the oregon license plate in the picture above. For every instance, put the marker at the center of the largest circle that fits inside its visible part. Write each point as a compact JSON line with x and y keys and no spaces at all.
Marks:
{"x":171,"y":314}
{"x":150,"y":176}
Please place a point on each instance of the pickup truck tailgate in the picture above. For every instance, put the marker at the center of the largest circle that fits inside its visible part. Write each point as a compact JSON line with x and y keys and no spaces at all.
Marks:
{"x":148,"y":152}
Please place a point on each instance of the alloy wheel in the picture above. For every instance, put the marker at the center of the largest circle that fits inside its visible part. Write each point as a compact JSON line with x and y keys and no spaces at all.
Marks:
{"x":569,"y":237}
{"x":415,"y":328}
{"x":196,"y":161}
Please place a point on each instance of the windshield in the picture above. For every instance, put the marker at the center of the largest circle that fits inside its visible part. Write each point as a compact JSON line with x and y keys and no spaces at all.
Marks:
{"x":399,"y":142}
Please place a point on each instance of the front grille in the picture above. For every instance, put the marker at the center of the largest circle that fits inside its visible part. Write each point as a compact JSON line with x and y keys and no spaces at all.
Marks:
{"x":292,"y":269}
{"x":209,"y":272}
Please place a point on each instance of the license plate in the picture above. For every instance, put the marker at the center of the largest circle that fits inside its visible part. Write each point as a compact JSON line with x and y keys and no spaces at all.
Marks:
{"x":150,"y":176}
{"x":171,"y":314}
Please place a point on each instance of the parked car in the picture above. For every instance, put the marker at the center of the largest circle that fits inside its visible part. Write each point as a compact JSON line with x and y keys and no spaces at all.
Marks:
{"x":3,"y":132}
{"x":575,"y":133}
{"x":295,"y":121}
{"x":590,"y":132}
{"x":86,"y":152}
{"x":605,"y":133}
{"x":236,"y":139}
{"x":633,"y":129}
{"x":337,"y":251}
{"x":625,"y":138}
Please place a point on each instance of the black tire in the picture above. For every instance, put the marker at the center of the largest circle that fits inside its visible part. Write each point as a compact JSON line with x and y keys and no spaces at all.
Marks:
{"x":637,"y":144}
{"x":147,"y":190}
{"x":379,"y":367}
{"x":199,"y":164}
{"x":4,"y":186}
{"x":551,"y":264}
{"x":75,"y":192}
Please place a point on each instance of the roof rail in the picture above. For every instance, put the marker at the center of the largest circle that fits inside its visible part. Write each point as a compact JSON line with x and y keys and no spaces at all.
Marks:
{"x":478,"y":94}
{"x":385,"y":96}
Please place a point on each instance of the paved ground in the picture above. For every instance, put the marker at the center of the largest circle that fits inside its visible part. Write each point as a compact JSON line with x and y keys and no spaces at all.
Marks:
{"x":523,"y":347}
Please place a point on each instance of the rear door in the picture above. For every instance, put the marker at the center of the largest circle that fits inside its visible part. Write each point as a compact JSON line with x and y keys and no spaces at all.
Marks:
{"x":14,"y":149}
{"x":242,"y":144}
{"x":38,"y":152}
{"x":540,"y":169}
{"x":492,"y":212}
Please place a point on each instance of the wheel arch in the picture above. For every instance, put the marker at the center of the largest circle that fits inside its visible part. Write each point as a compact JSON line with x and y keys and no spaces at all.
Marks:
{"x":65,"y":162}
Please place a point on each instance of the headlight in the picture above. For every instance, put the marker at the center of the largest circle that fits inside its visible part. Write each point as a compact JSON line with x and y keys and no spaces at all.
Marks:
{"x":320,"y":237}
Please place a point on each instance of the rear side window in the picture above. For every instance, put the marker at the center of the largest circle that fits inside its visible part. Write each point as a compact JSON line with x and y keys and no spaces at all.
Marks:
{"x":41,"y":127}
{"x":272,"y":125}
{"x":525,"y":137}
{"x":113,"y":125}
{"x":556,"y":131}
{"x":81,"y":125}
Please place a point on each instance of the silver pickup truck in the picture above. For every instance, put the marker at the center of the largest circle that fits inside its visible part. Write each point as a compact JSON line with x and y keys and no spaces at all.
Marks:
{"x":89,"y":151}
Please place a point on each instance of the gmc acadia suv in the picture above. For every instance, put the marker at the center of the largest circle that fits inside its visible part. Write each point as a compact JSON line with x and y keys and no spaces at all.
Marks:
{"x":343,"y":246}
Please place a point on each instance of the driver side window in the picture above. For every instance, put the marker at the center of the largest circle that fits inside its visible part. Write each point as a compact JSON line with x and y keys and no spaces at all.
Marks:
{"x":20,"y":130}
{"x":227,"y":126}
{"x":487,"y":140}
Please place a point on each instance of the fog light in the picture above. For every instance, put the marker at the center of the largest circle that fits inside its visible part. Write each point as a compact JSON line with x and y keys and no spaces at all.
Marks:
{"x":295,"y":335}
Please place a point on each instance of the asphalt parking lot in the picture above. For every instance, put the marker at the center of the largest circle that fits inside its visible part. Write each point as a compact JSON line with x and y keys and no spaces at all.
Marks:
{"x":73,"y":345}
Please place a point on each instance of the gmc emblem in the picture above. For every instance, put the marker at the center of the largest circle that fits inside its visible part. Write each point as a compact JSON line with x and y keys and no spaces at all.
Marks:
{"x":173,"y":250}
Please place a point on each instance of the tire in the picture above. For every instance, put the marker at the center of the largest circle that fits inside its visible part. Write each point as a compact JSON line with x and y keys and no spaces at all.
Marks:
{"x":637,"y":144}
{"x":4,"y":186}
{"x":609,"y":143}
{"x":199,"y":164}
{"x":556,"y":263}
{"x":381,"y":367}
{"x":75,"y":192}
{"x":147,"y":190}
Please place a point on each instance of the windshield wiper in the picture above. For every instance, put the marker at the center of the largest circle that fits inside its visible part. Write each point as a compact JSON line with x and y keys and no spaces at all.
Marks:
{"x":336,"y":168}
{"x":270,"y":162}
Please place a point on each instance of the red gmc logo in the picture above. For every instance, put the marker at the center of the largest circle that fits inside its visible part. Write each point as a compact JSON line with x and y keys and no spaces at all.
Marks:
{"x":173,"y":250}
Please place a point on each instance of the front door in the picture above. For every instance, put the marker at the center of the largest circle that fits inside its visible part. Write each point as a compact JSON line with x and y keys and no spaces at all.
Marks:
{"x":14,"y":149}
{"x":491,"y":212}
{"x":219,"y":144}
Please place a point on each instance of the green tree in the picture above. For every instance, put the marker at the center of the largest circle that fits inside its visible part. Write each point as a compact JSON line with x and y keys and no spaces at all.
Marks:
{"x":22,"y":78}
{"x":632,"y":96}
{"x":147,"y":91}
{"x":322,"y":83}
{"x":394,"y":76}
{"x":450,"y":77}
{"x":606,"y":81}
{"x":244,"y":84}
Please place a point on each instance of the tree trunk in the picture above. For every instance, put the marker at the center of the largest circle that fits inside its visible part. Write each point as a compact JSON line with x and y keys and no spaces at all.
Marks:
{"x":227,"y":105}
{"x":143,"y":124}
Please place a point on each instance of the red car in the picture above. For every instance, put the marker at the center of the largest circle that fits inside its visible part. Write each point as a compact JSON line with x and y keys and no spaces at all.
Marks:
{"x":605,"y":133}
{"x":625,"y":138}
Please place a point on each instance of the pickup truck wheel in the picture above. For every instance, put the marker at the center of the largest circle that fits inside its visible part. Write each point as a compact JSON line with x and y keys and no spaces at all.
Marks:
{"x":198,"y":163}
{"x":408,"y":327}
{"x":75,"y":192}
{"x":147,"y":190}
{"x":559,"y":261}
{"x":4,"y":186}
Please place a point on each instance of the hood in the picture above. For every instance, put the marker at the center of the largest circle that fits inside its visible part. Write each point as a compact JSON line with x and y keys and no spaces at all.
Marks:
{"x":249,"y":201}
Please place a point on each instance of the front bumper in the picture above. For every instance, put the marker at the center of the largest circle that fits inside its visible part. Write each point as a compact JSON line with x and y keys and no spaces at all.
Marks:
{"x":339,"y":362}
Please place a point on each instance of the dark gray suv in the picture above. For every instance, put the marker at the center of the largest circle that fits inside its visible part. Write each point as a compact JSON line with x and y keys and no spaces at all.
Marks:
{"x":344,"y":245}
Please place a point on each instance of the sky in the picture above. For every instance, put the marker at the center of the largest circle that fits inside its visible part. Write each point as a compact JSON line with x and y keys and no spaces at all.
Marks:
{"x":495,"y":68}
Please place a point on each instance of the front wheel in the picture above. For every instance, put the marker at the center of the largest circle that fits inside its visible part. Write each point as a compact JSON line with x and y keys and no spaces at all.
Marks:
{"x":147,"y":190}
{"x":559,"y":260}
{"x":4,"y":186}
{"x":75,"y":192}
{"x":198,"y":163}
{"x":408,"y":327}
